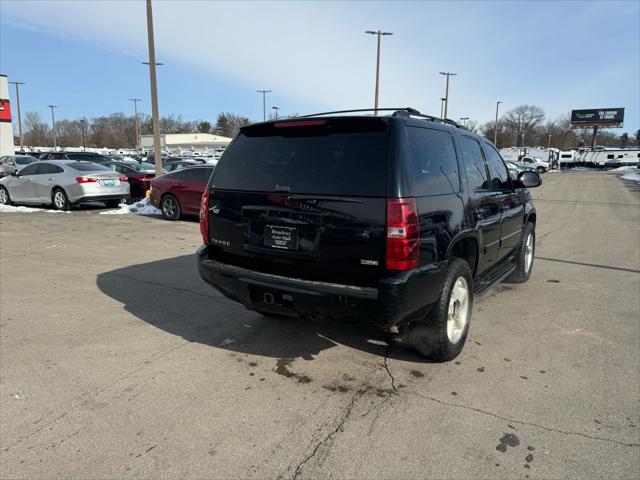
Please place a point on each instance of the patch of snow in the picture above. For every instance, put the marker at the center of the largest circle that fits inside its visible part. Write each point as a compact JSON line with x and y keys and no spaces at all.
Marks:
{"x":143,"y":207}
{"x":626,"y":168}
{"x":580,"y":169}
{"x":21,"y":209}
{"x":634,"y":177}
{"x":226,"y":341}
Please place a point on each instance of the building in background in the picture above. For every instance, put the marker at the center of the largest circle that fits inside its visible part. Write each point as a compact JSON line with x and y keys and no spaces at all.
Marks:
{"x":6,"y":129}
{"x":177,"y":142}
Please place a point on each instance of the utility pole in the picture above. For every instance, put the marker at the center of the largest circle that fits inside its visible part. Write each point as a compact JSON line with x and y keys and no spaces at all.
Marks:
{"x":154,"y":91}
{"x":593,"y":141}
{"x":264,"y":103}
{"x":135,"y":109}
{"x":442,"y":99}
{"x":549,"y":143}
{"x":17,"y":84}
{"x":53,"y":127}
{"x":446,"y":93}
{"x":464,"y":121}
{"x":84,"y":146}
{"x":495,"y":126}
{"x":276,"y":110}
{"x":378,"y":33}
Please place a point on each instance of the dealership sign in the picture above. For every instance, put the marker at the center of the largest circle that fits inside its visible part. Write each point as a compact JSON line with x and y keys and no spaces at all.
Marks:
{"x":598,"y":117}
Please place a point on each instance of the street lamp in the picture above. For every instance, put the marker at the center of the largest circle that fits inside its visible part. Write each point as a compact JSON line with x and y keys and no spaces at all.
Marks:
{"x":135,"y":109}
{"x":442,"y":100}
{"x":495,"y":132}
{"x":276,"y":110}
{"x":53,"y":127}
{"x":379,"y":34}
{"x":464,"y":121}
{"x":264,"y":103}
{"x":84,"y":147}
{"x":154,"y":91}
{"x":17,"y":84}
{"x":446,"y":93}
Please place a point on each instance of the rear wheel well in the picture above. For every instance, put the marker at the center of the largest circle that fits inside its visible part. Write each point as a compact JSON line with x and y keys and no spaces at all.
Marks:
{"x":467,"y":250}
{"x":532,"y":218}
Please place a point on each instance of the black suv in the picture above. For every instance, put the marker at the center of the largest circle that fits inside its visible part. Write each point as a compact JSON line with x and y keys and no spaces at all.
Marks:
{"x":397,"y":219}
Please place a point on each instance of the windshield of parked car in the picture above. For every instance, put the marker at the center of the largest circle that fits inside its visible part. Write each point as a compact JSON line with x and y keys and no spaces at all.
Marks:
{"x":24,"y":160}
{"x":339,"y":156}
{"x":87,"y":167}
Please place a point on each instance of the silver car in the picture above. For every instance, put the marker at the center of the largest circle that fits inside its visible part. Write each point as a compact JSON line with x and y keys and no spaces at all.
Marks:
{"x":62,"y":183}
{"x":13,"y":163}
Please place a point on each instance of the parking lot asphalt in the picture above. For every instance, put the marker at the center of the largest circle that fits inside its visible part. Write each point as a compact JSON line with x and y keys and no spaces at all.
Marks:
{"x":117,"y":361}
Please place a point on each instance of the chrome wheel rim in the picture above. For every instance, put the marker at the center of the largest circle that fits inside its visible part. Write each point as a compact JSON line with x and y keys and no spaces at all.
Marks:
{"x":169,"y":207}
{"x":4,"y":198}
{"x":458,"y":313}
{"x":58,"y":199}
{"x":528,"y":253}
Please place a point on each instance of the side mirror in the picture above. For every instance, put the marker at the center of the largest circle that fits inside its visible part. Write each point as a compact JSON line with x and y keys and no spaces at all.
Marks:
{"x":14,"y":174}
{"x":529,"y":179}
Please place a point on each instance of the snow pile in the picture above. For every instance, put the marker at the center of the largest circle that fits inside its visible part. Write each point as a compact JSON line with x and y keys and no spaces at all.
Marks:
{"x":143,"y":207}
{"x":634,"y":177}
{"x":627,"y":168}
{"x":12,"y":209}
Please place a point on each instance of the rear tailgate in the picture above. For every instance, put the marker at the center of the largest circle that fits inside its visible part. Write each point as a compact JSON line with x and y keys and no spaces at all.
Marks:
{"x":304,"y":199}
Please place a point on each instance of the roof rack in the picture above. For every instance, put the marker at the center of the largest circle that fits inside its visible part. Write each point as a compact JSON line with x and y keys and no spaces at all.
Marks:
{"x":397,"y":112}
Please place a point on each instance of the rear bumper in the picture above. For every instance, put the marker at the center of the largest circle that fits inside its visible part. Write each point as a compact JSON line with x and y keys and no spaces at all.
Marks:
{"x":397,"y":298}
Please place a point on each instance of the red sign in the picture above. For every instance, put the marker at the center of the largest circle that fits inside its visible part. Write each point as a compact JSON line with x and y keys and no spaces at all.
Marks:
{"x":5,"y":111}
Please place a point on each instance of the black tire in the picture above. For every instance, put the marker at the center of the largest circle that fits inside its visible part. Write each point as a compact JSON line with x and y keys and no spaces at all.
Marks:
{"x":429,"y":336}
{"x":112,"y":203}
{"x":5,"y":198}
{"x":170,"y":207}
{"x":541,"y":170}
{"x":523,"y":269}
{"x":59,"y":199}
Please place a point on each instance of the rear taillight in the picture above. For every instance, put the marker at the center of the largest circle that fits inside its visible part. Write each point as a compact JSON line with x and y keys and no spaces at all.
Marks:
{"x":403,"y":235}
{"x":124,"y":179}
{"x":204,"y":216}
{"x":86,"y":179}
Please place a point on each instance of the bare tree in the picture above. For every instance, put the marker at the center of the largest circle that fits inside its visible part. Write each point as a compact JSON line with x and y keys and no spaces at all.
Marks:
{"x":229,"y":124}
{"x":523,"y":120}
{"x":37,"y":132}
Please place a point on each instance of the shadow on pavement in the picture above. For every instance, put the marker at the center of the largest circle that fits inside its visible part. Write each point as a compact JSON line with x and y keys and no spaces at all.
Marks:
{"x":169,"y":295}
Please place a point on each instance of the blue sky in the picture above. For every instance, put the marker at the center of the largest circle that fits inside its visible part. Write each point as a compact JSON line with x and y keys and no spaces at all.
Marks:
{"x":86,"y":56}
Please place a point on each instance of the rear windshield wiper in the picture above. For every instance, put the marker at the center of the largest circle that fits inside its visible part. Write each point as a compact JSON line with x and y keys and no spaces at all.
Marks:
{"x":325,"y":198}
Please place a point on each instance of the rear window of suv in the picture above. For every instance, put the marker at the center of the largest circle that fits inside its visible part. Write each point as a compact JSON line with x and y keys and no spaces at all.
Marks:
{"x":339,"y":156}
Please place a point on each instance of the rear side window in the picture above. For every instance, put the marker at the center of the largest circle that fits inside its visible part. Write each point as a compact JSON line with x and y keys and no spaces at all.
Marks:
{"x":433,"y":162}
{"x":48,"y":168}
{"x":24,"y":160}
{"x":194,"y":174}
{"x":497,"y":169}
{"x":340,"y":156}
{"x":474,"y":165}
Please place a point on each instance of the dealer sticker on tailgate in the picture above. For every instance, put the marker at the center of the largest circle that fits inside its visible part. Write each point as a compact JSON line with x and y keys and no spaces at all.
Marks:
{"x":284,"y":238}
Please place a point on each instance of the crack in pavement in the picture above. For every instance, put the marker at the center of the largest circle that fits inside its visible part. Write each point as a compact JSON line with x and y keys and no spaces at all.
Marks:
{"x":346,"y":417}
{"x":520,"y":422}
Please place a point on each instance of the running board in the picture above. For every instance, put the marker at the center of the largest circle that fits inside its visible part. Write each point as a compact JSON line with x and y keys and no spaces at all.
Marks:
{"x":489,"y":279}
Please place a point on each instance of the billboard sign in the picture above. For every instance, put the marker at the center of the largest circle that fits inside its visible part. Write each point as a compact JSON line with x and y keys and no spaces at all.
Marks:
{"x":597,"y":117}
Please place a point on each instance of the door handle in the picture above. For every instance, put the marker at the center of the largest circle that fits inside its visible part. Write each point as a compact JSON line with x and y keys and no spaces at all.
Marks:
{"x":50,"y":178}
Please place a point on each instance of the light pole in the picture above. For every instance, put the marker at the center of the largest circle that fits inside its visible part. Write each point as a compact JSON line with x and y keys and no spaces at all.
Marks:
{"x":495,"y":132}
{"x":154,"y":91}
{"x":446,"y":92}
{"x":135,"y":109}
{"x":17,"y":84}
{"x":53,"y":127}
{"x":464,"y":121}
{"x":378,"y":33}
{"x":549,"y":143}
{"x":264,"y":103}
{"x":276,"y":110}
{"x":84,"y":147}
{"x":442,"y":100}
